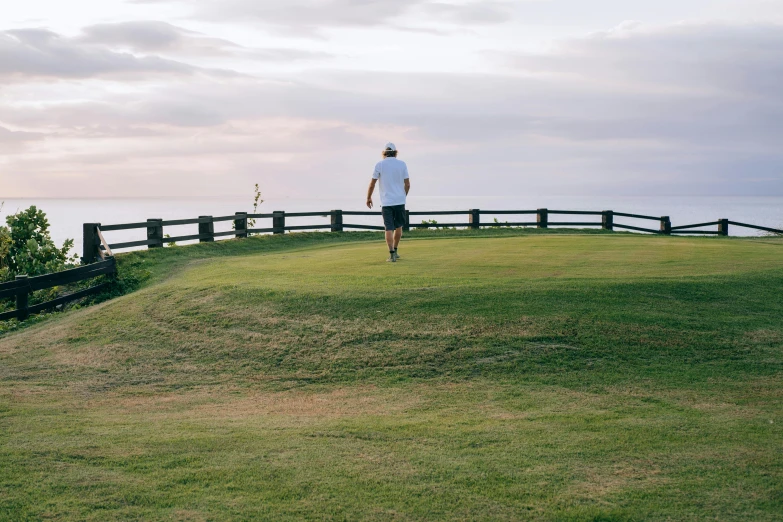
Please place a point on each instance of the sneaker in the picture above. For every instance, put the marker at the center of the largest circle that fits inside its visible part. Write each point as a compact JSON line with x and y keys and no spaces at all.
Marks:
{"x":392,"y":259}
{"x":397,"y":256}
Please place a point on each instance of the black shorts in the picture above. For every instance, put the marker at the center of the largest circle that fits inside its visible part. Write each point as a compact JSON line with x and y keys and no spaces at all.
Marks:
{"x":393,"y":217}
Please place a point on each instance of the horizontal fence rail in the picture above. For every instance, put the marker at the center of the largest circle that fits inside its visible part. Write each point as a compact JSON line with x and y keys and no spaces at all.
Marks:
{"x":636,"y":216}
{"x":441,"y":213}
{"x":698,"y":225}
{"x":276,"y":224}
{"x":637,"y":229}
{"x":24,"y":285}
{"x":755,"y":227}
{"x":575,"y":212}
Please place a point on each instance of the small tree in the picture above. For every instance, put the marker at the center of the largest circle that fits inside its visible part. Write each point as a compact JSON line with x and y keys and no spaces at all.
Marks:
{"x":5,"y":248}
{"x":27,"y":248}
{"x":256,"y":201}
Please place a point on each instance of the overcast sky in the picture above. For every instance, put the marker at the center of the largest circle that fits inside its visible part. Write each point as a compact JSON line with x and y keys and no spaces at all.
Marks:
{"x":105,"y":98}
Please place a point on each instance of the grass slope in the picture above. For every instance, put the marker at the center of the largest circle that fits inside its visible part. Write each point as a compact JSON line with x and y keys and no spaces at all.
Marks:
{"x":492,"y":375}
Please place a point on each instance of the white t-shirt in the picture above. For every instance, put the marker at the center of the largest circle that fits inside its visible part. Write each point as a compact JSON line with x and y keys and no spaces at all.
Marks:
{"x":392,"y":174}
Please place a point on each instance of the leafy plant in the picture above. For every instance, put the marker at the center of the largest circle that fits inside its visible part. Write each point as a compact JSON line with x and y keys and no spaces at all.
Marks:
{"x":434,"y":222}
{"x":26,"y":246}
{"x":251,"y":223}
{"x":5,"y":248}
{"x":170,"y":243}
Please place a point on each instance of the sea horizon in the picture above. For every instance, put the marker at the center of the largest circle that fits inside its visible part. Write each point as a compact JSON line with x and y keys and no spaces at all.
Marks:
{"x":66,"y":215}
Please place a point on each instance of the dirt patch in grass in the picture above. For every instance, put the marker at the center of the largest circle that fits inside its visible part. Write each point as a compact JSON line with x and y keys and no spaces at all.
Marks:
{"x":601,"y":484}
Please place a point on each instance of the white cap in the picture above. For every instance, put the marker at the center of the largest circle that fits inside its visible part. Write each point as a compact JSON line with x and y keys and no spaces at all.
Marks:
{"x":391,"y":146}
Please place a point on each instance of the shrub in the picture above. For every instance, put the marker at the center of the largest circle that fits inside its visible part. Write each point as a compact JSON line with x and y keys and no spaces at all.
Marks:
{"x":434,"y":222}
{"x":5,"y":248}
{"x":27,"y":248}
{"x":251,"y":222}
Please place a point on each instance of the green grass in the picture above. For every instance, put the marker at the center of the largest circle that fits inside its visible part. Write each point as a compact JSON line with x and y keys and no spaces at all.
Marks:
{"x":487,"y":376}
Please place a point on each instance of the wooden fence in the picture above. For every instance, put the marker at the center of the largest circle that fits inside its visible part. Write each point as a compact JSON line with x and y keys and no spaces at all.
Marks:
{"x":95,"y":246}
{"x":23,"y":286}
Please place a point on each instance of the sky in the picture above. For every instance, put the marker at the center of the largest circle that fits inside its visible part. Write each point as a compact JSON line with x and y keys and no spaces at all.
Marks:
{"x":169,"y":98}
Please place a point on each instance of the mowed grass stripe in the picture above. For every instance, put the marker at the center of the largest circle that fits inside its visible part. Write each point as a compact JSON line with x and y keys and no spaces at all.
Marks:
{"x":529,"y":376}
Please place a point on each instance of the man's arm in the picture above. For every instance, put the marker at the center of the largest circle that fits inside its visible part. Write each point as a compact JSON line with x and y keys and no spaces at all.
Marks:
{"x":370,"y":190}
{"x":407,"y":186}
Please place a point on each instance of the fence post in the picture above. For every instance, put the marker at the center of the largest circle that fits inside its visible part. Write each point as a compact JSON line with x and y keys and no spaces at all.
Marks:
{"x":155,"y":232}
{"x":240,"y":224}
{"x":666,"y":225}
{"x":337,"y":220}
{"x":89,"y":243}
{"x":723,"y":227}
{"x":113,"y":274}
{"x":475,"y":218}
{"x":542,"y":218}
{"x":278,"y":222}
{"x":406,"y":227}
{"x":207,"y":228}
{"x":607,"y":220}
{"x":22,"y":310}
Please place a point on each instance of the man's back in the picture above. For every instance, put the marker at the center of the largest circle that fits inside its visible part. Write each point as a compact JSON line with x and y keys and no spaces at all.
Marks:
{"x":391,"y":174}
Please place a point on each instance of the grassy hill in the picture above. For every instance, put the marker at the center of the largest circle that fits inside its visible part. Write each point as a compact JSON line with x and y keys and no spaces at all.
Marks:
{"x":493,"y":375}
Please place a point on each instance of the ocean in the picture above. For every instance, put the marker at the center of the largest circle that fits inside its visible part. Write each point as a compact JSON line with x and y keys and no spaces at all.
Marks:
{"x":67,"y":215}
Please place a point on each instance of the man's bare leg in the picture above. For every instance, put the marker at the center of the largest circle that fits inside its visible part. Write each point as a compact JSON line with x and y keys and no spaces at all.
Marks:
{"x":397,"y":237}
{"x":390,"y":238}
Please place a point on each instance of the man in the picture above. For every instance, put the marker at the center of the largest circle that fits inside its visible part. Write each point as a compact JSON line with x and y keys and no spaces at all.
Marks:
{"x":393,"y":175}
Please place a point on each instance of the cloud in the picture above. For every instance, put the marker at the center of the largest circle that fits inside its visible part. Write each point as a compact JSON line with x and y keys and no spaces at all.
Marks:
{"x":678,"y":109}
{"x":155,"y":36}
{"x":310,"y":16}
{"x":284,"y":55}
{"x":9,"y":136}
{"x":15,"y":141}
{"x":150,"y":36}
{"x":744,"y":59}
{"x":40,"y":53}
{"x":476,"y":13}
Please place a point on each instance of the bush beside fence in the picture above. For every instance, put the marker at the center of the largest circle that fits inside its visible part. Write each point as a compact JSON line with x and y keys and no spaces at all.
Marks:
{"x":23,"y":286}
